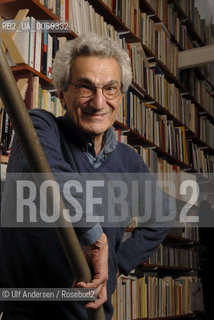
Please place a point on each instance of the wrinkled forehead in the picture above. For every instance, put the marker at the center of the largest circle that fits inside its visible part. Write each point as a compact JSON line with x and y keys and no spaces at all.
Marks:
{"x":96,"y":69}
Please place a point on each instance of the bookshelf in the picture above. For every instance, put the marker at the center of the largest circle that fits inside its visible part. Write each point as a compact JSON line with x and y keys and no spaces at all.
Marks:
{"x":157,"y":68}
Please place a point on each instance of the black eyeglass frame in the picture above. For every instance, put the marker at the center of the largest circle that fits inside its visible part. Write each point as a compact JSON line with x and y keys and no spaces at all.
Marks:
{"x":120,"y":91}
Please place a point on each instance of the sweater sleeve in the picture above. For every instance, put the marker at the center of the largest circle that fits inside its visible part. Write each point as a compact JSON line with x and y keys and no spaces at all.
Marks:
{"x":48,"y":134}
{"x":139,"y":247}
{"x":145,"y":239}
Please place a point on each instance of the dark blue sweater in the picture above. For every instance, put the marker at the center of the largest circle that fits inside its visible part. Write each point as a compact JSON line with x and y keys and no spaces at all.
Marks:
{"x":34,"y":257}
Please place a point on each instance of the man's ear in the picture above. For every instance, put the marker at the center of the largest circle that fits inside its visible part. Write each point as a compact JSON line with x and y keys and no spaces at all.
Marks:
{"x":60,"y":93}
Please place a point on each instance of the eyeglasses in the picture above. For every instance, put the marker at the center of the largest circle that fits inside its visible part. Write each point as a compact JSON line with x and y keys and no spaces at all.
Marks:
{"x":87,"y":90}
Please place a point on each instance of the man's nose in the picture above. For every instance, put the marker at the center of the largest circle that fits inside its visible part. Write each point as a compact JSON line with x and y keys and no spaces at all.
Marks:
{"x":98,"y":100}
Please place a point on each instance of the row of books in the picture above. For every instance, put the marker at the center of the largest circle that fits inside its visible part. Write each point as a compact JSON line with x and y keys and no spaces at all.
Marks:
{"x":153,"y":126}
{"x":80,"y":16}
{"x":157,"y":38}
{"x":36,"y":47}
{"x":34,"y":96}
{"x":129,"y":13}
{"x":59,"y":7}
{"x":200,"y":160}
{"x":202,"y":94}
{"x":174,"y":24}
{"x":152,"y":296}
{"x":207,"y":72}
{"x":44,"y":99}
{"x":156,"y":128}
{"x":200,"y":25}
{"x":154,"y":82}
{"x":192,"y":13}
{"x":186,"y":41}
{"x":164,"y":171}
{"x":83,"y":18}
{"x":160,"y":168}
{"x":6,"y":129}
{"x":188,"y":231}
{"x":175,"y":257}
{"x":206,"y":131}
{"x":200,"y":89}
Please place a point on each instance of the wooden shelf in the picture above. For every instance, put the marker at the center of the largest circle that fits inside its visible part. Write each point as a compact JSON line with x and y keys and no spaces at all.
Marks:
{"x":203,"y":77}
{"x":135,"y":138}
{"x":171,"y":237}
{"x":146,"y":7}
{"x":111,"y":18}
{"x":135,"y":87}
{"x":200,"y":107}
{"x":188,"y":315}
{"x":20,"y":69}
{"x":201,"y":144}
{"x":165,"y":267}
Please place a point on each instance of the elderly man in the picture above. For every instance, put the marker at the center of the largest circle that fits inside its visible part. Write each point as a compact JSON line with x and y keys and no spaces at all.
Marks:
{"x":91,"y":74}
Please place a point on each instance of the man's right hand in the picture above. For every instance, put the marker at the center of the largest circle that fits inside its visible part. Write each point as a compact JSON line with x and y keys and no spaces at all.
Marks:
{"x":97,"y":257}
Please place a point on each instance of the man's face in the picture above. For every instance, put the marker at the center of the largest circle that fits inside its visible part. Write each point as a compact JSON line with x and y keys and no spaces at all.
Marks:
{"x":96,"y":114}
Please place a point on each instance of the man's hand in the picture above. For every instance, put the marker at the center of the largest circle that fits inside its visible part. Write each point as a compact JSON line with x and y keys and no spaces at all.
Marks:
{"x":97,"y":256}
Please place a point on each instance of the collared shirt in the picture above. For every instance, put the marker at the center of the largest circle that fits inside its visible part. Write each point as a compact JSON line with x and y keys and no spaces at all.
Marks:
{"x":109,"y":142}
{"x":88,"y":147}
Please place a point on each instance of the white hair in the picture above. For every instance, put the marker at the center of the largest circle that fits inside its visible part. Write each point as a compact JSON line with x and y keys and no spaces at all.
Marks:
{"x":89,"y":44}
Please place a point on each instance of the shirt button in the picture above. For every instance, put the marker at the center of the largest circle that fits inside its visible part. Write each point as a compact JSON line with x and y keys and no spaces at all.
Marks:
{"x":90,"y":144}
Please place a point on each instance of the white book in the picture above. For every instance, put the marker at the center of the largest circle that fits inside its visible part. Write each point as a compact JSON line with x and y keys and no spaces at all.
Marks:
{"x":92,"y":17}
{"x":73,"y":15}
{"x":49,"y":56}
{"x":97,"y":23}
{"x":3,"y":171}
{"x":62,"y":10}
{"x":102,"y":25}
{"x":87,"y":15}
{"x":79,"y":13}
{"x":90,"y":12}
{"x":84,"y":16}
{"x":35,"y":101}
{"x":62,"y":41}
{"x":70,"y":15}
{"x":32,"y":41}
{"x":22,"y":40}
{"x":38,"y":43}
{"x":49,"y":101}
{"x":105,"y":27}
{"x":51,"y":5}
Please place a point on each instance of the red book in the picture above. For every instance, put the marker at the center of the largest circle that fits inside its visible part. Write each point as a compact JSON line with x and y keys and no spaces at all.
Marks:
{"x":66,"y":11}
